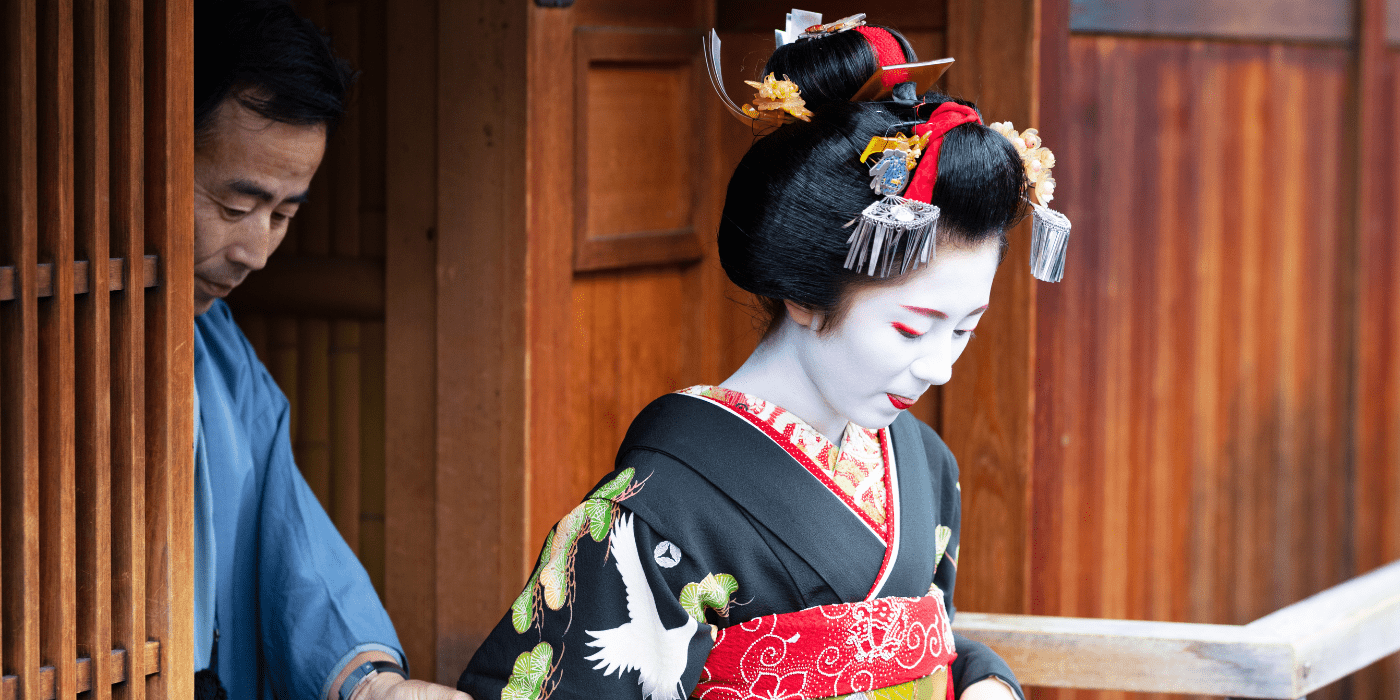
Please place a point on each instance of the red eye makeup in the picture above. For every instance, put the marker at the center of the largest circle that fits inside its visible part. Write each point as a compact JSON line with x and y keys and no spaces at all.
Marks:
{"x":906,"y":331}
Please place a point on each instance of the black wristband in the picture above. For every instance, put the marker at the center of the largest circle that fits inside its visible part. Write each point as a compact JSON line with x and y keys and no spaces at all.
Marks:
{"x":364,"y":671}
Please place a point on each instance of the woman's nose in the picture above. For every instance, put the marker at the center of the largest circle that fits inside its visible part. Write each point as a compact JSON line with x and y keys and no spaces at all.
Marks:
{"x":935,"y":366}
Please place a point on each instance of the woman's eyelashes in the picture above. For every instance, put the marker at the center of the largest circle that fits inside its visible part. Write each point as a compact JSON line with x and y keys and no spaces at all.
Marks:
{"x":906,"y":331}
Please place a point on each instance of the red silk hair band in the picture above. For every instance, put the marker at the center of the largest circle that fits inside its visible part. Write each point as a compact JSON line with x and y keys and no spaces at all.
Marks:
{"x":888,"y":52}
{"x":946,"y":117}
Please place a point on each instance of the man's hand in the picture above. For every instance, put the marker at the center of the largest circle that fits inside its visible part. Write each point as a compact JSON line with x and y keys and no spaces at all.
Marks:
{"x":389,"y":686}
{"x":985,"y":689}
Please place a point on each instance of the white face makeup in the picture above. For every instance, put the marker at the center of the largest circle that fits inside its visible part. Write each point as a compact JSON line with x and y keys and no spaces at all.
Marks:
{"x":896,"y":341}
{"x":893,"y":343}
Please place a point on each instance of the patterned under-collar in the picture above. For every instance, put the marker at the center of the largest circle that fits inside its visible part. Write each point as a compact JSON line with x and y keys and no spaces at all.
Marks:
{"x":857,"y":467}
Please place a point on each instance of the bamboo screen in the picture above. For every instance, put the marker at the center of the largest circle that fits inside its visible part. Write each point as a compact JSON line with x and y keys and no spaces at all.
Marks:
{"x":95,"y":348}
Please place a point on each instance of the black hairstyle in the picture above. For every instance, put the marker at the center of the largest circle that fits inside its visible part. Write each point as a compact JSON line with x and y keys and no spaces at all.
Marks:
{"x":783,"y":234}
{"x":272,"y":60}
{"x":831,"y":68}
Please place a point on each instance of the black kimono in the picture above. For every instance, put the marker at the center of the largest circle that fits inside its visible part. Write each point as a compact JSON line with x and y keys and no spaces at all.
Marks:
{"x":708,"y":524}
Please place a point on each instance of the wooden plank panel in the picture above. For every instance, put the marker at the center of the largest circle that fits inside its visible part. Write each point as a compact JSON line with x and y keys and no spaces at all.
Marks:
{"x":1330,"y":20}
{"x":553,"y":491}
{"x":410,"y":318}
{"x":92,"y":339}
{"x":344,"y":442}
{"x":1192,"y":375}
{"x":373,"y":456}
{"x":19,"y":477}
{"x":57,"y":548}
{"x":312,"y":442}
{"x":480,"y":347}
{"x":128,"y":408}
{"x":987,"y":405}
{"x":169,"y":171}
{"x":84,"y":670}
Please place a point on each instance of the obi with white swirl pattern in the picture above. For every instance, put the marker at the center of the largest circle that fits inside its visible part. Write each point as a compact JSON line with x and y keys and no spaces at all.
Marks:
{"x":850,"y":650}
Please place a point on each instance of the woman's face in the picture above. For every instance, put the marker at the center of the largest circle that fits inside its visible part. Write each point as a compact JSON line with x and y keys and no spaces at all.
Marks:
{"x":897,"y":340}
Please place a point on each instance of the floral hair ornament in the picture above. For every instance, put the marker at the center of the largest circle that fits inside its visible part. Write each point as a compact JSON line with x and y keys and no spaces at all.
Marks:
{"x":777,"y":102}
{"x":1049,"y":228}
{"x":910,"y":221}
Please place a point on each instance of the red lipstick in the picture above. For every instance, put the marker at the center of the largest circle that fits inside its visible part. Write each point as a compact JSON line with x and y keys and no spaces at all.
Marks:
{"x":900,"y":402}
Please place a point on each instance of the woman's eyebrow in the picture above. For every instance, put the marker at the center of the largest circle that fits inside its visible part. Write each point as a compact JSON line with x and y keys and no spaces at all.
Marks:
{"x":931,"y":313}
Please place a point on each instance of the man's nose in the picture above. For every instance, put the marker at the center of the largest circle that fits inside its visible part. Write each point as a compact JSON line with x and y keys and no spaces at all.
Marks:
{"x":935,"y":366}
{"x":255,"y":244}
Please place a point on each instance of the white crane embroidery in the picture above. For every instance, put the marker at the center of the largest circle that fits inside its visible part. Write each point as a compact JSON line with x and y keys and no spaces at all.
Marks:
{"x":658,"y":654}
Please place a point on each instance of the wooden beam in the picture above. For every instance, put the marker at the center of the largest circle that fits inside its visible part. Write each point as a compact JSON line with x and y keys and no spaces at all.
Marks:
{"x":315,"y":286}
{"x":1285,"y":655}
{"x":82,"y":277}
{"x":9,"y":685}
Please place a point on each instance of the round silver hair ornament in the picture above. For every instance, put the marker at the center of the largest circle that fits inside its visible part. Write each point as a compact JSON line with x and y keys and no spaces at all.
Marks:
{"x":885,"y":227}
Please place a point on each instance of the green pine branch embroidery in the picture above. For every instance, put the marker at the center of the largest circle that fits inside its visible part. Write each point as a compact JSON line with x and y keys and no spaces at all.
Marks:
{"x":527,"y":678}
{"x":712,"y":592}
{"x":555,"y":572}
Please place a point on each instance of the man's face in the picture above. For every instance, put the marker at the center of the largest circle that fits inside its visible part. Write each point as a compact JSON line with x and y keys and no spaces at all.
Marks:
{"x":251,"y":174}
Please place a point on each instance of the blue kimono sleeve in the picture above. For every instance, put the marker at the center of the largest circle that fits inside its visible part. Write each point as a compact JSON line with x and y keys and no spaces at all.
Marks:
{"x":316,"y":607}
{"x":319,"y":608}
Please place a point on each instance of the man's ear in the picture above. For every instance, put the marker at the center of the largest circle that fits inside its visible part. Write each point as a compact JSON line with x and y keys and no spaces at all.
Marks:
{"x":803,"y":316}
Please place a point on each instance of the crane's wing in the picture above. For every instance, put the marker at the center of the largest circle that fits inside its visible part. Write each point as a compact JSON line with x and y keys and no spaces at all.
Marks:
{"x":634,"y":644}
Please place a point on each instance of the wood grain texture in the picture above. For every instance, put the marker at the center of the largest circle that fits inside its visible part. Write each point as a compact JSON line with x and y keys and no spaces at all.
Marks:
{"x":987,"y":406}
{"x":93,"y":343}
{"x":1192,"y":370}
{"x":410,"y":318}
{"x":19,"y":428}
{"x":57,"y":546}
{"x":552,"y":461}
{"x":169,"y":224}
{"x":128,"y":407}
{"x":480,"y":346}
{"x":85,"y":669}
{"x":1376,"y":397}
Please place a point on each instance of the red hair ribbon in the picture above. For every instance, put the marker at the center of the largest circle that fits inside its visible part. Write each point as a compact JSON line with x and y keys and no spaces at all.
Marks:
{"x":943,"y":119}
{"x":888,"y":53}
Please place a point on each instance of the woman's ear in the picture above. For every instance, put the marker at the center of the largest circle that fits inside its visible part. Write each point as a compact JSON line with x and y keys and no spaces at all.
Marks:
{"x":803,"y":316}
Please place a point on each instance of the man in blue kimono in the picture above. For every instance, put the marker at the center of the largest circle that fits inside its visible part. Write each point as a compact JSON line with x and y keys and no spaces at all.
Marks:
{"x":282,"y":606}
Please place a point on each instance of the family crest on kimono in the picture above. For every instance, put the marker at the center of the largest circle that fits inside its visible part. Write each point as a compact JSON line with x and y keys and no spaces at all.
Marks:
{"x":793,"y":532}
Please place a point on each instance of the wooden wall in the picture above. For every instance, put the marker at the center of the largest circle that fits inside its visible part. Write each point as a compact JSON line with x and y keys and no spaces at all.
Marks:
{"x":96,"y":365}
{"x":1214,"y":433}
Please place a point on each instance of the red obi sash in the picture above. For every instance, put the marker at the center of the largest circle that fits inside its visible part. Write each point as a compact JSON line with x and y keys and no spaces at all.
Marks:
{"x":833,"y":650}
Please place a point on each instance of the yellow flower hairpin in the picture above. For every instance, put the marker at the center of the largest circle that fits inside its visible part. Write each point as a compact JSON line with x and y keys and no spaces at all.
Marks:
{"x":775,"y":100}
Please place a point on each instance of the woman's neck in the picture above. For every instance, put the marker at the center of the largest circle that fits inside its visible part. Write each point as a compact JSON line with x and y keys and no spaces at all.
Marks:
{"x":775,"y":373}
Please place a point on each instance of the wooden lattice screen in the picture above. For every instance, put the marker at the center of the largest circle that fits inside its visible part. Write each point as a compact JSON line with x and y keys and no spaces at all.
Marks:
{"x":95,"y":385}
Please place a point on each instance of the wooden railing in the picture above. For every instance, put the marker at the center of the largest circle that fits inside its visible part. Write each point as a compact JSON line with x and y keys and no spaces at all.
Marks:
{"x":1285,"y":655}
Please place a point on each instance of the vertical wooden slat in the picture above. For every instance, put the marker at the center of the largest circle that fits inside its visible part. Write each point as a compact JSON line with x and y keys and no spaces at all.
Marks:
{"x":987,"y":406}
{"x":57,"y":596}
{"x":93,"y":347}
{"x":169,"y":350}
{"x":19,"y":454}
{"x":344,"y":361}
{"x":481,"y":358}
{"x":128,"y":341}
{"x":410,"y":317}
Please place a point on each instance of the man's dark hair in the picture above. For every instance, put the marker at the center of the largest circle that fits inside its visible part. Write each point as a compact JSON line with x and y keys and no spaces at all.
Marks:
{"x":273,"y":61}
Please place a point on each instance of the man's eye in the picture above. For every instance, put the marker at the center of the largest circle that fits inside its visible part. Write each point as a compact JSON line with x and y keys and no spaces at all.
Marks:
{"x":965,"y":334}
{"x":906,"y":331}
{"x":234,"y":213}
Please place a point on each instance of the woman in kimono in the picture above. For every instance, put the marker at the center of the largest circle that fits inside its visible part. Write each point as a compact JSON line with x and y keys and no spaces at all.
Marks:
{"x":793,"y":531}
